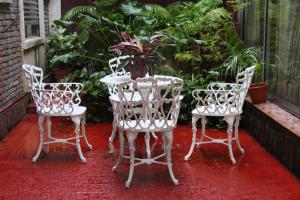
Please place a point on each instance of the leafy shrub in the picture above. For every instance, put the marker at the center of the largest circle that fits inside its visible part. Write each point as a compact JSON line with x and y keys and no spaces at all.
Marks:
{"x":195,"y":35}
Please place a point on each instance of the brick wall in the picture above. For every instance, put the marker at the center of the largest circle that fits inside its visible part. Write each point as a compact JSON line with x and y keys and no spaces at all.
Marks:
{"x":12,"y":99}
{"x":11,"y":84}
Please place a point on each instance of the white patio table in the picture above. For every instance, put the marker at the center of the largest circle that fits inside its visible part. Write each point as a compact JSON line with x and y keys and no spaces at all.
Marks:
{"x":112,"y":81}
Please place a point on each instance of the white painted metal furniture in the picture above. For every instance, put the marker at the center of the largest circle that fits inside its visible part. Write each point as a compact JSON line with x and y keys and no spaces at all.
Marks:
{"x":119,"y":75}
{"x":158,"y":101}
{"x":221,"y":100}
{"x":114,"y":64}
{"x":56,"y":99}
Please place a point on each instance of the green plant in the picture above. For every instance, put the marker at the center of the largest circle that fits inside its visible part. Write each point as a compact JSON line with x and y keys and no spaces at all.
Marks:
{"x":196,"y":35}
{"x":191,"y":82}
{"x":239,"y":59}
{"x":142,"y":53}
{"x":94,"y":93}
{"x":197,"y":32}
{"x":60,"y":45}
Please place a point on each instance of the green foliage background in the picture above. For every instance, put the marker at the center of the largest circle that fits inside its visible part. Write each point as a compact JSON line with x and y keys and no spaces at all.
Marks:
{"x":196,"y":38}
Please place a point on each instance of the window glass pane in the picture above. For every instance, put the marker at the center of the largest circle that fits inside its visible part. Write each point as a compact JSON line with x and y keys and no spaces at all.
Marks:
{"x":253,"y":32}
{"x":283,"y":51}
{"x":31,"y":18}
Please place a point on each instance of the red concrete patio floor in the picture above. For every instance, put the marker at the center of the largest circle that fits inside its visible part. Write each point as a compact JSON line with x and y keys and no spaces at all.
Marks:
{"x":209,"y":174}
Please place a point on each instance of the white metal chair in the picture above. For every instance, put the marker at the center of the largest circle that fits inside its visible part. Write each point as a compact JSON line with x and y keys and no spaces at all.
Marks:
{"x":112,"y":89}
{"x":221,"y":100}
{"x":158,"y":101}
{"x":56,"y":99}
{"x":114,"y":65}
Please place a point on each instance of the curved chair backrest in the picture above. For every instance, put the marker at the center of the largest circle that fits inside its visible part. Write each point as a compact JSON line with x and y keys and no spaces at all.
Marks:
{"x":149,"y":103}
{"x":114,"y":64}
{"x":54,"y":98}
{"x":243,"y":80}
{"x":34,"y":76}
{"x":222,"y":99}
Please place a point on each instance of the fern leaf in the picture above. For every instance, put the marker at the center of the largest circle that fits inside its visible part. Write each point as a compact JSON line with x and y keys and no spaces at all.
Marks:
{"x":74,"y":12}
{"x":157,"y":10}
{"x":62,"y":58}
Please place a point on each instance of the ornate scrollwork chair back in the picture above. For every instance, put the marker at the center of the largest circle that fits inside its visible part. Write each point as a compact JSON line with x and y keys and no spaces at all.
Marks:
{"x":52,"y":98}
{"x":114,"y":65}
{"x":148,"y":105}
{"x":34,"y":76}
{"x":243,"y":80}
{"x":221,"y":100}
{"x":56,"y":99}
{"x":145,"y":104}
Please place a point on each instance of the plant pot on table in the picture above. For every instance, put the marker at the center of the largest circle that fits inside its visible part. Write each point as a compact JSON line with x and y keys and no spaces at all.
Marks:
{"x":258,"y":92}
{"x":60,"y":73}
{"x":138,"y":69}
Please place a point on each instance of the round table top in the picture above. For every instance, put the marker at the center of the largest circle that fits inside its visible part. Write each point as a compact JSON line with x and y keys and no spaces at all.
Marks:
{"x":116,"y":79}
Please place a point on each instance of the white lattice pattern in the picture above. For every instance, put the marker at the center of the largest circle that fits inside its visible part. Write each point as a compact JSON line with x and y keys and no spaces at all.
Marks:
{"x":56,"y":99}
{"x":221,"y":100}
{"x":145,"y":105}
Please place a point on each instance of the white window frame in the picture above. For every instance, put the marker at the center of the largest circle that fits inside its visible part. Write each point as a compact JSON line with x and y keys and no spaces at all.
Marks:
{"x":28,"y":43}
{"x":5,"y":1}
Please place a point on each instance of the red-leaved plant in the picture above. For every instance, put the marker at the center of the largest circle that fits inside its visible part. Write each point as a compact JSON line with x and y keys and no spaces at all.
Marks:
{"x":143,"y":54}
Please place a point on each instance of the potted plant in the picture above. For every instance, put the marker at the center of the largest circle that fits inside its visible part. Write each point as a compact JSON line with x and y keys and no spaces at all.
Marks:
{"x":60,"y":48}
{"x":142,"y":54}
{"x":239,"y":59}
{"x":258,"y":91}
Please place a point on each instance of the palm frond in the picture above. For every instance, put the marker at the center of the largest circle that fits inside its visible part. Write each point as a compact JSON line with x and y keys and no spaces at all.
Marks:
{"x":76,"y":11}
{"x":157,"y":10}
{"x":100,"y":4}
{"x":218,"y":14}
{"x":131,"y":9}
{"x":84,"y":36}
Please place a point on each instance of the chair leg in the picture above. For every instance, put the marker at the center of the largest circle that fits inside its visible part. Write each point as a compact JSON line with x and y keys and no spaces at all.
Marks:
{"x":41,"y":119}
{"x":230,"y":121}
{"x":168,"y":140}
{"x":76,"y":120}
{"x":131,"y":136}
{"x":83,"y":132}
{"x":112,"y":137}
{"x":154,"y":135}
{"x":121,"y":153}
{"x":203,"y":123}
{"x":48,"y":120}
{"x":194,"y":122}
{"x":147,"y":141}
{"x":236,"y":133}
{"x":49,"y":132}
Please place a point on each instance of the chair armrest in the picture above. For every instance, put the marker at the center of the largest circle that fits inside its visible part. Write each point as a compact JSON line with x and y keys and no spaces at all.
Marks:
{"x":205,"y":97}
{"x":70,"y":87}
{"x":55,"y":101}
{"x":222,"y":86}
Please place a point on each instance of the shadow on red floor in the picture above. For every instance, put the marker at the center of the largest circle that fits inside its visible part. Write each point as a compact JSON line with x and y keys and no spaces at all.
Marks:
{"x":209,"y":174}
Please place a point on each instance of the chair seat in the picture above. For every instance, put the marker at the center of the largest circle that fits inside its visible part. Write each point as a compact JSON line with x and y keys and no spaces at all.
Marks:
{"x":144,"y":125}
{"x":213,"y":110}
{"x":77,"y":110}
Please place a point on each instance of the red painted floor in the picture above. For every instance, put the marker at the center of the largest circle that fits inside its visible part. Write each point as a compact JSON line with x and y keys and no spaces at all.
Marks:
{"x":209,"y":174}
